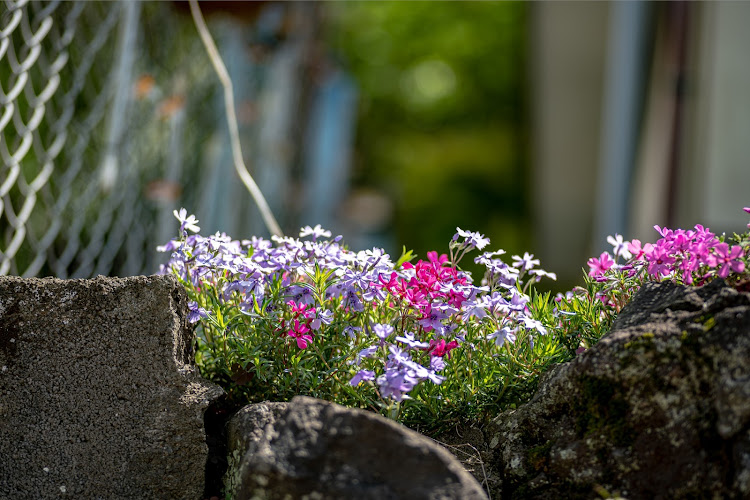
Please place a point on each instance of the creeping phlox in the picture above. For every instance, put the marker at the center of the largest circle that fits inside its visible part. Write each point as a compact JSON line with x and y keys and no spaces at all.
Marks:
{"x":692,"y":257}
{"x":388,"y":325}
{"x":307,"y":315}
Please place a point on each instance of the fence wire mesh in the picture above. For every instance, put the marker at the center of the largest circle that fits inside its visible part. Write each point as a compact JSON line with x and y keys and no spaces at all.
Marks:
{"x":111,"y":117}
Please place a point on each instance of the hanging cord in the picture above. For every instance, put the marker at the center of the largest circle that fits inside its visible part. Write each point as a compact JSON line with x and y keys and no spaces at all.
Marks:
{"x":226,"y":82}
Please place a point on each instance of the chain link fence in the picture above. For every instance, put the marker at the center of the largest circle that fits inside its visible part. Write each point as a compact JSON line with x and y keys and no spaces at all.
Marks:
{"x":111,"y":117}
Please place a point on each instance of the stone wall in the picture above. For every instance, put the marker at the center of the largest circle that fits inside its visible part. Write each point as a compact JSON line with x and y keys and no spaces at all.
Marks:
{"x":99,"y":397}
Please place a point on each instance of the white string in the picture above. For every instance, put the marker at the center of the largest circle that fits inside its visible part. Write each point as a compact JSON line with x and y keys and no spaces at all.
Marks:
{"x":226,"y":82}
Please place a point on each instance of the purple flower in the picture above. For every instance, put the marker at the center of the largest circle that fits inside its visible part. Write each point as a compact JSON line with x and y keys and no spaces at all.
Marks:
{"x":518,"y":300}
{"x":473,"y":308}
{"x":487,"y":258}
{"x":352,"y":331}
{"x":395,"y":383}
{"x":502,"y":335}
{"x":398,"y":355}
{"x":352,"y":301}
{"x":301,"y":294}
{"x":382,"y":331}
{"x":533,"y":324}
{"x":171,"y":245}
{"x":437,"y":364}
{"x":433,"y":320}
{"x":195,"y":313}
{"x":325,"y":317}
{"x":526,"y":262}
{"x":362,"y":375}
{"x":473,"y":239}
{"x":367,"y":352}
{"x":247,"y":288}
{"x":507,"y":276}
{"x":539,"y":273}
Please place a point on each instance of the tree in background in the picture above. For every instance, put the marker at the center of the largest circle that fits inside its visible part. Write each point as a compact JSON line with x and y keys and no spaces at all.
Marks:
{"x":442,"y":124}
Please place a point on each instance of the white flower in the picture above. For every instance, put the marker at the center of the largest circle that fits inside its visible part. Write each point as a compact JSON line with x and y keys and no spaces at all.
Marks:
{"x":473,"y":238}
{"x":620,"y":246}
{"x":316,"y":232}
{"x":186,"y":221}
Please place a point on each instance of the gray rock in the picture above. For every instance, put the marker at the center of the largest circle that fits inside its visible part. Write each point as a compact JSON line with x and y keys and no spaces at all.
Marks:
{"x":319,"y":450}
{"x":659,"y":408}
{"x":99,"y":397}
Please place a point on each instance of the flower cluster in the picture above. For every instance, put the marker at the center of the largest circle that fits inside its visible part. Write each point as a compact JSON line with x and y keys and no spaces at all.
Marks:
{"x":389,"y":326}
{"x":691,"y":256}
{"x":419,"y":340}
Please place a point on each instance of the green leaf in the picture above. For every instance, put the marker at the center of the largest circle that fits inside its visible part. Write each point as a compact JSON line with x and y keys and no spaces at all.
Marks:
{"x":406,"y":256}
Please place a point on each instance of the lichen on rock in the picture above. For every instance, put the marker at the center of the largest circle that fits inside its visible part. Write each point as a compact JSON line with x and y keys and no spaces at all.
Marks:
{"x":659,"y":408}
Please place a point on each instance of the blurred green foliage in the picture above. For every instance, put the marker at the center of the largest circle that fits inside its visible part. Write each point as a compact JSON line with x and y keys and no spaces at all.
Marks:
{"x":442,"y":115}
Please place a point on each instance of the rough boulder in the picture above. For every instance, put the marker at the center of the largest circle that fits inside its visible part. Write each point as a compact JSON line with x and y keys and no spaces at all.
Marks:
{"x":659,"y":408}
{"x":309,"y":448}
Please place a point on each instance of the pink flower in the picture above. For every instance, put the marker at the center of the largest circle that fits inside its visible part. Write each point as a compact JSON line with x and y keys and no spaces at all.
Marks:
{"x":659,"y":261}
{"x":299,"y":310}
{"x":689,"y":264}
{"x":635,"y":248}
{"x":728,"y":260}
{"x":663,"y":231}
{"x":600,"y":265}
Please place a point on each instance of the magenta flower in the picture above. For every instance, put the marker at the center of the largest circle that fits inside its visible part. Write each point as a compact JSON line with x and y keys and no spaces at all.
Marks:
{"x":689,"y":264}
{"x":727,"y":259}
{"x":441,"y":348}
{"x":601,"y":265}
{"x":300,"y":309}
{"x":659,"y":261}
{"x":300,"y":331}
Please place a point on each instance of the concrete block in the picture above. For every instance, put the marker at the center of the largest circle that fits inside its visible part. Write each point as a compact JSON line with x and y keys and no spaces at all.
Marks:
{"x":99,"y":396}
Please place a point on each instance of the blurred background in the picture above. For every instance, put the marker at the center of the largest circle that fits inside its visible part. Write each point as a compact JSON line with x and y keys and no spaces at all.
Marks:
{"x":545,"y":126}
